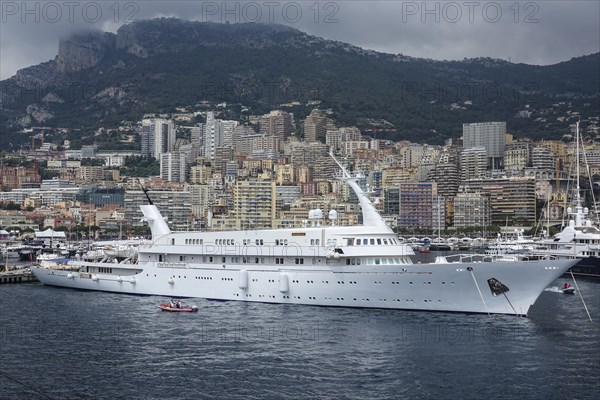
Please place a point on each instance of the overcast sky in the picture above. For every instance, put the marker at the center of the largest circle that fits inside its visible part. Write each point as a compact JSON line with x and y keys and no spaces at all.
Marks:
{"x":532,"y":32}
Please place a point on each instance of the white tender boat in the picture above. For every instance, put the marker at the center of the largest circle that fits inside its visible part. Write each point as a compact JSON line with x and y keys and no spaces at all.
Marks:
{"x":343,"y":266}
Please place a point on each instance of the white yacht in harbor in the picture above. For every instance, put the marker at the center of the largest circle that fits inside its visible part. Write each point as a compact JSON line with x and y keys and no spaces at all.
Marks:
{"x":579,"y":240}
{"x":319,"y":264}
{"x":517,"y":244}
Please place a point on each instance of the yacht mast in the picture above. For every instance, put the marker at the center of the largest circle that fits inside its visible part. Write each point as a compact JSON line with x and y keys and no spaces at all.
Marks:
{"x":370,"y":215}
{"x":578,"y":206}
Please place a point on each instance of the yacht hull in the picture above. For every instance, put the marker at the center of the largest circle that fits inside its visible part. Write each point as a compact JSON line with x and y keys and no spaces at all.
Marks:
{"x":457,"y":287}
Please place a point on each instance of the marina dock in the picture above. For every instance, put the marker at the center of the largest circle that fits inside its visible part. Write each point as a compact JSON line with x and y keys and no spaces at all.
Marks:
{"x":17,"y":276}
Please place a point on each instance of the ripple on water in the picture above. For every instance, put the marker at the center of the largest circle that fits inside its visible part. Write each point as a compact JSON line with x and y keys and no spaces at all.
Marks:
{"x":73,"y":344}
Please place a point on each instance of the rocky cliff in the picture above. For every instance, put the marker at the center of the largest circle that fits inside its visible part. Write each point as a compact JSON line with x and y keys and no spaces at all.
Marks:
{"x":83,"y":51}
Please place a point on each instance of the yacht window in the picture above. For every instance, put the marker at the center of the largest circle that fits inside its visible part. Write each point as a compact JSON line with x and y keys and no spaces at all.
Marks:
{"x":358,"y":261}
{"x":317,"y":242}
{"x":369,"y":261}
{"x":350,"y":242}
{"x":210,"y":259}
{"x":379,"y":241}
{"x":347,"y":261}
{"x":358,"y":242}
{"x":385,"y":242}
{"x":377,"y":261}
{"x":372,"y":241}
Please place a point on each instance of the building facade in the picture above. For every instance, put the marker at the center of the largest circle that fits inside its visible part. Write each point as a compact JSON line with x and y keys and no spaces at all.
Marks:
{"x":489,"y":135}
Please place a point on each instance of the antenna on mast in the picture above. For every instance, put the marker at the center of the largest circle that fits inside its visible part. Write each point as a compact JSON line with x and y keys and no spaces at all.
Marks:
{"x":145,"y":192}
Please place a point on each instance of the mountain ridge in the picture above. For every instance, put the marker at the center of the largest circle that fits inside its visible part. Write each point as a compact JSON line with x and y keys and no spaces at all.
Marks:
{"x":153,"y":66}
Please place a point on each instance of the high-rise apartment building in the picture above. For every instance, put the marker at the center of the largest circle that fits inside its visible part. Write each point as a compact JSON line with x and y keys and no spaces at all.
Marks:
{"x":217,"y":133}
{"x":254,"y":203}
{"x":489,"y":135}
{"x":277,"y":123}
{"x":173,"y":167}
{"x":175,"y":206}
{"x":316,"y":126}
{"x":447,"y":178}
{"x":157,"y":136}
{"x":512,"y":200}
{"x":472,"y":209}
{"x":473,"y":162}
{"x":415,"y":205}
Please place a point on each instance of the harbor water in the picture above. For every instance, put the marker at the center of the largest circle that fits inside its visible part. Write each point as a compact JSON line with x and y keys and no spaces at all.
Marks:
{"x":59,"y":343}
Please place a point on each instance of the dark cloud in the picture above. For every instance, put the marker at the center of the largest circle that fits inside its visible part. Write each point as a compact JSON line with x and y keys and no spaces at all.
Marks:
{"x":534,"y":32}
